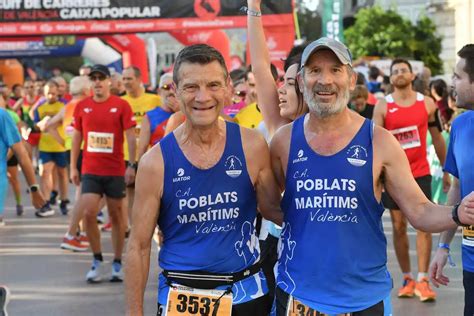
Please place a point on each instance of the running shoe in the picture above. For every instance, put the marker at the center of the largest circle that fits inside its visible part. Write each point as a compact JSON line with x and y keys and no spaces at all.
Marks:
{"x":83,"y":239}
{"x":424,"y":291}
{"x":4,"y":298}
{"x":2,"y":222}
{"x":117,"y":273}
{"x":408,"y":288}
{"x":45,"y":211}
{"x":52,"y":198}
{"x":100,"y":218}
{"x":107,"y":227}
{"x":63,"y":207}
{"x":19,"y":210}
{"x":73,"y":244}
{"x":94,"y":274}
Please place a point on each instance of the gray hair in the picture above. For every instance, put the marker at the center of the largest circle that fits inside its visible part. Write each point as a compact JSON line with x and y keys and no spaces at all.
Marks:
{"x":59,"y":79}
{"x":164,"y":77}
{"x":79,"y":84}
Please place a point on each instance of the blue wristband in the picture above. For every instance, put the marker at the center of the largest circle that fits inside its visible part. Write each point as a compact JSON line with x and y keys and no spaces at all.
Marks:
{"x":450,"y":259}
{"x":444,"y":246}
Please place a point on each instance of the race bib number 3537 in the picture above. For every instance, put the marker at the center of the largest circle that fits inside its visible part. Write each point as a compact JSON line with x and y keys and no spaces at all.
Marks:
{"x":100,"y":142}
{"x":188,"y":301}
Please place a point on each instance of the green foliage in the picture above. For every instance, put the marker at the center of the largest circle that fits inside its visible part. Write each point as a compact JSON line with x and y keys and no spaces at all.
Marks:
{"x":428,"y":45}
{"x":310,"y":23}
{"x":387,"y":34}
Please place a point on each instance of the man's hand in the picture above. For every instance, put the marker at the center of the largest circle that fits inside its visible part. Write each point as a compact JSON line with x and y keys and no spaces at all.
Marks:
{"x":446,"y":182}
{"x":130,"y":175}
{"x":37,"y":199}
{"x":74,"y":175}
{"x":466,"y":210}
{"x":436,"y":267}
{"x":42,"y":124}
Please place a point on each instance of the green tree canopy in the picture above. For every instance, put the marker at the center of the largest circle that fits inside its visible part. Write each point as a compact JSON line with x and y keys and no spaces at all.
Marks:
{"x":381,"y":33}
{"x":310,"y":23}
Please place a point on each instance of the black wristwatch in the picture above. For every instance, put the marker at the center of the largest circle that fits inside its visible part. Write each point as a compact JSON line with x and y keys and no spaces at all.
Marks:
{"x":455,"y":216}
{"x":132,"y":165}
{"x":34,"y":188}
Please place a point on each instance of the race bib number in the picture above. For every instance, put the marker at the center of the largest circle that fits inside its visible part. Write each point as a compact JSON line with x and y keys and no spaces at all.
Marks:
{"x":408,"y":137}
{"x":188,"y":301}
{"x":468,"y":236}
{"x":100,"y":142}
{"x":296,"y":308}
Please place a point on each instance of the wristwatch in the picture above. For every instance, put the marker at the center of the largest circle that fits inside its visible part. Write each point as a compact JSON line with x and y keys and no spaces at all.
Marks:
{"x":454,"y":215}
{"x":132,"y":165}
{"x":34,"y":188}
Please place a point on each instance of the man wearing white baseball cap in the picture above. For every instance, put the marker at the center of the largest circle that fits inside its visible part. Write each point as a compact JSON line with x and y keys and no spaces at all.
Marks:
{"x":331,"y":163}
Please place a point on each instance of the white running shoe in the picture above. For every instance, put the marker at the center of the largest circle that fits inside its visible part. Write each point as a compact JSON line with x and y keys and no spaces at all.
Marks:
{"x":117,"y":272}
{"x":94,"y":274}
{"x":4,"y":298}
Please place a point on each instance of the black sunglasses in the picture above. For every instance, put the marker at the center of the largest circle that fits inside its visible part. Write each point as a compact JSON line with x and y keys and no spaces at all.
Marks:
{"x":166,"y":87}
{"x":241,"y":93}
{"x":100,"y":77}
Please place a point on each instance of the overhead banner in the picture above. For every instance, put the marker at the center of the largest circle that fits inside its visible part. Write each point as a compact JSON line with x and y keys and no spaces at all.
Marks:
{"x":332,"y":19}
{"x":33,"y":17}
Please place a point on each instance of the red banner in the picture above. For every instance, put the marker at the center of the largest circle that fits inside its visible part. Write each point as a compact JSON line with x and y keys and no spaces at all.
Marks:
{"x":134,"y":26}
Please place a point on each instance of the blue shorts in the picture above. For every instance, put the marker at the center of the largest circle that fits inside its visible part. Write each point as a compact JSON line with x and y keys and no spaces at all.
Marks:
{"x":59,"y":158}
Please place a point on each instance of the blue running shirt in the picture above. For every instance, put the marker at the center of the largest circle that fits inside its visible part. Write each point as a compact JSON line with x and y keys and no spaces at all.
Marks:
{"x":459,"y":163}
{"x":158,"y":119}
{"x":208,"y":217}
{"x":332,"y":252}
{"x":9,"y":136}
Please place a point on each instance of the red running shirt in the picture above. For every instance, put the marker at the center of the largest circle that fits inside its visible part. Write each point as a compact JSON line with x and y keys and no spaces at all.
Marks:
{"x":102,"y":126}
{"x":409,"y":125}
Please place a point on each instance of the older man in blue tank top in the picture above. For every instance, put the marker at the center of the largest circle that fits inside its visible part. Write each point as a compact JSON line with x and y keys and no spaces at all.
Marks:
{"x":331,"y":163}
{"x":202,"y":184}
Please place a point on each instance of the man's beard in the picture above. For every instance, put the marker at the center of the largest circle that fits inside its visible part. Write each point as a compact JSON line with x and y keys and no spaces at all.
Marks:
{"x":401,"y":85}
{"x":324,"y":110}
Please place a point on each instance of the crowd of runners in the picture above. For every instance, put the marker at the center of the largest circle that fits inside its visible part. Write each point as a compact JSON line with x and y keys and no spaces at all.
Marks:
{"x":264,"y":194}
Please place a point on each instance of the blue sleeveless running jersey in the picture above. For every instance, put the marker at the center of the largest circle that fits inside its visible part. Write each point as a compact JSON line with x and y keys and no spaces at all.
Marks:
{"x":207,"y":216}
{"x":158,"y":119}
{"x":332,"y":252}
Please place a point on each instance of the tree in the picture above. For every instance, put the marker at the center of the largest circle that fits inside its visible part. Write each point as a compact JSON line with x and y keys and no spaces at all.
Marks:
{"x":427,"y":45}
{"x":381,"y":33}
{"x":310,"y":23}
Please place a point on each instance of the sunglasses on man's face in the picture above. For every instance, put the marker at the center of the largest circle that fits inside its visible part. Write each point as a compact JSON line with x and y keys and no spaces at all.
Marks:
{"x":241,"y":93}
{"x":99,"y":77}
{"x":166,"y":87}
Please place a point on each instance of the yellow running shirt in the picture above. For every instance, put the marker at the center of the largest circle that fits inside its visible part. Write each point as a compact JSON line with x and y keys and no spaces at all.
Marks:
{"x":47,"y":142}
{"x":144,"y":103}
{"x":249,"y":116}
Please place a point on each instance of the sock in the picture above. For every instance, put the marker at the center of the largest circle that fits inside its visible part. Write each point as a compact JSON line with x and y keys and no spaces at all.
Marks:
{"x":18,"y":200}
{"x":119,"y":261}
{"x":421,"y":275}
{"x":407,"y":275}
{"x":69,"y":237}
{"x":98,"y":257}
{"x":54,"y":194}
